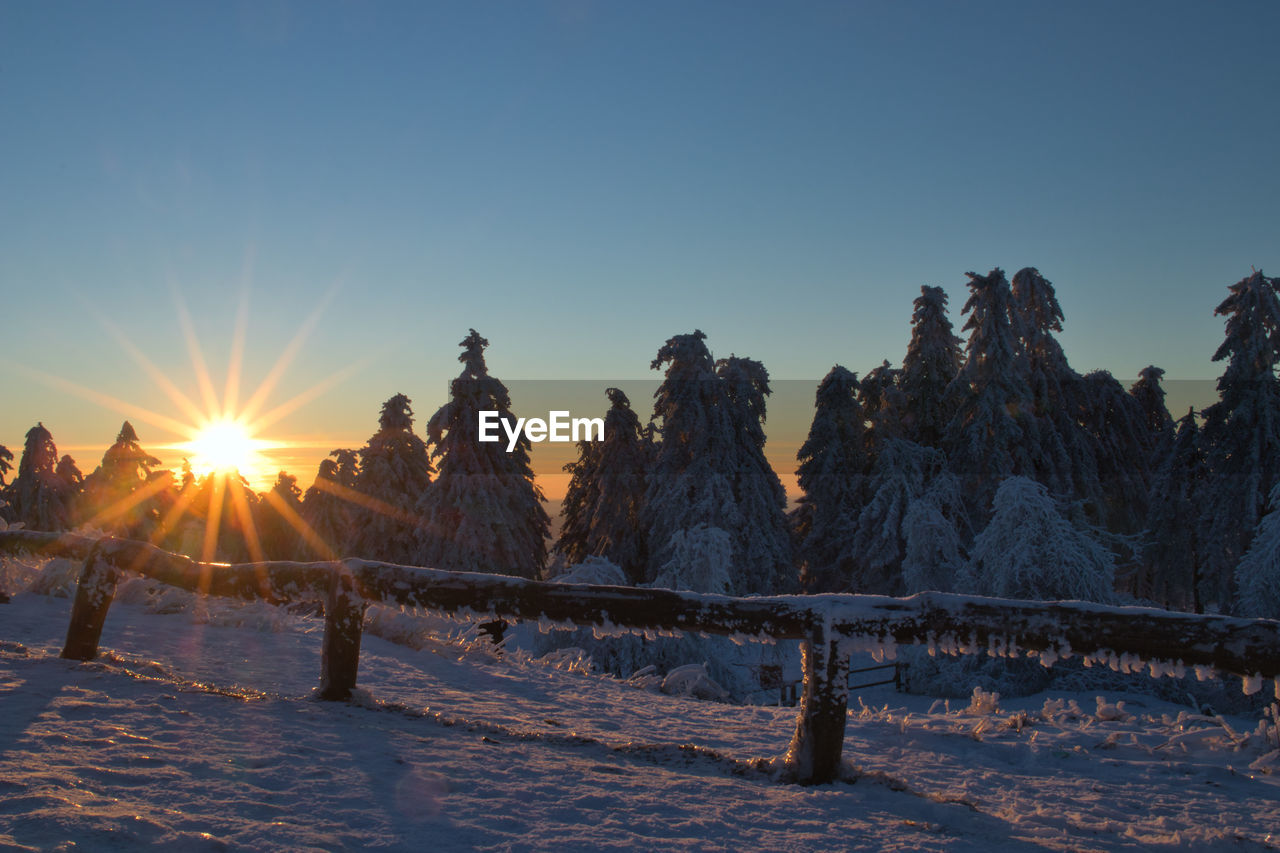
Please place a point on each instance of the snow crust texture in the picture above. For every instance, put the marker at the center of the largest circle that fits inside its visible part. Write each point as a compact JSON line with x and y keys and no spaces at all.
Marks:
{"x":194,"y":730}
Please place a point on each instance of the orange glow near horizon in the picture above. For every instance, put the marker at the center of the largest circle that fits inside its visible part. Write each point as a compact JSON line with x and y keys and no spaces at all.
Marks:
{"x":222,"y":436}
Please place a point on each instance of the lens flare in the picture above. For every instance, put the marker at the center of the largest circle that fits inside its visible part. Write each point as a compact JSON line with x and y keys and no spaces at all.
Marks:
{"x":226,"y":446}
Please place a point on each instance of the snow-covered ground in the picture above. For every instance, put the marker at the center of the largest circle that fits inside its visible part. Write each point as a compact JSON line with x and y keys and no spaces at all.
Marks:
{"x":195,"y":729}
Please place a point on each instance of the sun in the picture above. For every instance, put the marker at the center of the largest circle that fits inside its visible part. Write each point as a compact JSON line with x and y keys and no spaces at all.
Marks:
{"x":225,"y":446}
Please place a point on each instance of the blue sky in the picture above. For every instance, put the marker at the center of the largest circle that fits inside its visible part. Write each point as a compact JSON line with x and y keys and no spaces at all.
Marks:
{"x":580,"y":181}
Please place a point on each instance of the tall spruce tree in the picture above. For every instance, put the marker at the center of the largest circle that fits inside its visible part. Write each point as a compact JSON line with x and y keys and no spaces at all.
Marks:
{"x":278,"y":517}
{"x":688,"y":484}
{"x":1064,"y":461}
{"x":328,"y":506}
{"x":932,"y":361}
{"x":484,"y":512}
{"x":121,"y":495}
{"x":1241,"y":432}
{"x":39,"y":498}
{"x":763,"y":550}
{"x":709,"y":470}
{"x":832,"y":464}
{"x":993,"y":434}
{"x":1122,"y":447}
{"x":1172,"y":553}
{"x":603,"y":503}
{"x":6,"y":464}
{"x":69,"y":472}
{"x":394,"y":476}
{"x":1150,"y":396}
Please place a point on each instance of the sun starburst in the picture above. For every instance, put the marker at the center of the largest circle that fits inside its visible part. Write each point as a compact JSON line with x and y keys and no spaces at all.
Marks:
{"x":226,"y":445}
{"x":223,"y":439}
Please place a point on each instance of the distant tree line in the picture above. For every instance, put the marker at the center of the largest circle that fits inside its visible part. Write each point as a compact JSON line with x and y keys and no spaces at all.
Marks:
{"x":985,"y":465}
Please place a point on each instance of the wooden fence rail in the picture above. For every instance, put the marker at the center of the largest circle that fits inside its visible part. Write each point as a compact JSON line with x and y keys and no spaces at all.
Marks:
{"x":831,"y":626}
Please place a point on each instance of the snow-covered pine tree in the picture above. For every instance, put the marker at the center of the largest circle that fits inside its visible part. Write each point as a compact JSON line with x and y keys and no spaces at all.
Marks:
{"x":327,"y":506}
{"x":882,"y":404}
{"x":932,"y":361}
{"x":933,"y":555}
{"x":580,"y":498}
{"x":701,"y":559}
{"x":1150,"y":397}
{"x":69,"y":472}
{"x":1030,"y":550}
{"x":1258,"y":575}
{"x":39,"y":498}
{"x":832,"y":465}
{"x":709,"y":467}
{"x":1116,"y":426}
{"x":6,"y":465}
{"x":993,"y":434}
{"x":394,"y":475}
{"x":603,"y":503}
{"x":484,"y":512}
{"x":278,"y":517}
{"x":687,"y":483}
{"x":121,"y":495}
{"x":1065,"y":460}
{"x":1241,"y":433}
{"x":899,"y":477}
{"x":1150,"y":394}
{"x":764,"y":556}
{"x":226,"y":506}
{"x":1171,"y":550}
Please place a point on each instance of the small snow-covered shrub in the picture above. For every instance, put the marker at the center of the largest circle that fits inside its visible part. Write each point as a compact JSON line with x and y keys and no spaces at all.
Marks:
{"x":253,"y":615}
{"x":1110,"y":710}
{"x":395,"y":625}
{"x":595,"y":570}
{"x":701,"y":561}
{"x":1030,"y":550}
{"x":1258,"y":574}
{"x":1268,"y":730}
{"x":693,"y":680}
{"x":983,"y":703}
{"x":57,"y":578}
{"x":17,"y":573}
{"x":954,"y":677}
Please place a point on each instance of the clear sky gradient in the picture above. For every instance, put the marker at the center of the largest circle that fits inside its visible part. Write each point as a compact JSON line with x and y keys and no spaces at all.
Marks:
{"x":579,"y":181}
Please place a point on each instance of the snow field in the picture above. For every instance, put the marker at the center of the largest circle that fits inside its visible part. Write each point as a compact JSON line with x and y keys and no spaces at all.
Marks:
{"x":194,"y":729}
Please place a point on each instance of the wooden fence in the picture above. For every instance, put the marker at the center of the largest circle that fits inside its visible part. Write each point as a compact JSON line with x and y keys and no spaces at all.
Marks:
{"x":832,"y":627}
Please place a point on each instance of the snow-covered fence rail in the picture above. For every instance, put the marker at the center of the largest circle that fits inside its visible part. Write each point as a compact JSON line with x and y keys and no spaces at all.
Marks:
{"x":832,"y":626}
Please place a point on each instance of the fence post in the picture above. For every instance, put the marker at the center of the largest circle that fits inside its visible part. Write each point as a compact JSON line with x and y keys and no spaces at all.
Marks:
{"x":94,"y":592}
{"x":814,"y":755}
{"x":343,"y":624}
